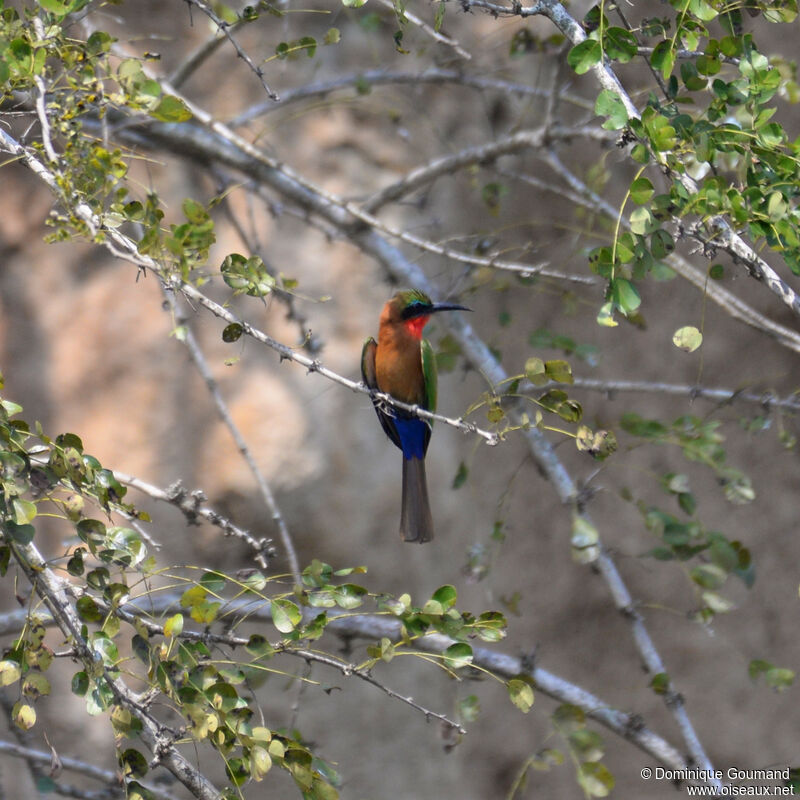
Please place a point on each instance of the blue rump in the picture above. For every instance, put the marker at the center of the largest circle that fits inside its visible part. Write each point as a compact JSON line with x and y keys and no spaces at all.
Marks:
{"x":412,"y":434}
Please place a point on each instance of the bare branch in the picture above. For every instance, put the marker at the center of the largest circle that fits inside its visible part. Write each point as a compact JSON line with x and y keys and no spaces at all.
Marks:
{"x":226,"y":29}
{"x":54,"y":592}
{"x":479,"y":154}
{"x":428,"y":30}
{"x":379,"y":77}
{"x":725,"y":299}
{"x":351,"y":669}
{"x":724,"y":396}
{"x":108,"y":777}
{"x":125,"y":248}
{"x":189,"y":503}
{"x":377,"y":626}
{"x":197,"y":57}
{"x":222,"y":409}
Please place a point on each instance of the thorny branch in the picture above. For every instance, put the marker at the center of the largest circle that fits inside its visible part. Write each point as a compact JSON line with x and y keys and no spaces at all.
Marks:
{"x":240,"y":51}
{"x":105,"y":776}
{"x":381,"y":77}
{"x":190,"y":505}
{"x":438,"y":36}
{"x":125,"y":248}
{"x":721,"y":234}
{"x":219,"y":143}
{"x":264,"y":489}
{"x":55,"y":593}
{"x":374,"y":627}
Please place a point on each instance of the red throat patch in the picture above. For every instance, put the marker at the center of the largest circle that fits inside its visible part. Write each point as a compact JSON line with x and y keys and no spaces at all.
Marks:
{"x":415,"y":325}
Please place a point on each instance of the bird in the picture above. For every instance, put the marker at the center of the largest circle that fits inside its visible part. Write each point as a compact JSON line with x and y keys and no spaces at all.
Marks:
{"x":402,"y":364}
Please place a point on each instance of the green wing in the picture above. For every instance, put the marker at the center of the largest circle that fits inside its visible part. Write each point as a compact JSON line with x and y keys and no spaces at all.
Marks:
{"x":368,"y":363}
{"x":371,"y":381}
{"x":429,"y":374}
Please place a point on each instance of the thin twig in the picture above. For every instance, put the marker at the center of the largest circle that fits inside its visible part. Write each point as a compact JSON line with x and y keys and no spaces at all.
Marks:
{"x":109,"y":777}
{"x":428,"y":30}
{"x":381,"y":77}
{"x":190,"y":504}
{"x":375,"y":627}
{"x":722,"y":235}
{"x":766,"y":400}
{"x":55,"y":594}
{"x":351,"y":669}
{"x":203,"y":52}
{"x":477,"y":154}
{"x":729,"y":302}
{"x":267,"y":496}
{"x":226,"y":29}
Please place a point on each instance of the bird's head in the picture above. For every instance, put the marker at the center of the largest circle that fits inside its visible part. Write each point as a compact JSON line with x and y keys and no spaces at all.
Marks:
{"x":412,"y":309}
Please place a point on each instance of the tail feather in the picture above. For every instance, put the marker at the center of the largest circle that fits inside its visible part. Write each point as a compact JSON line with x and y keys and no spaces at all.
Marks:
{"x":416,"y":523}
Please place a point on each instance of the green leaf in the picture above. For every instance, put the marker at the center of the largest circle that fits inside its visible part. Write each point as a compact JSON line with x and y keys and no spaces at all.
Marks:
{"x":779,"y":678}
{"x":610,"y":105}
{"x":9,"y":672}
{"x":469,"y":708}
{"x":687,"y":338}
{"x":332,"y":36}
{"x":625,"y":295}
{"x":445,"y":596}
{"x":717,"y":603}
{"x":605,"y":316}
{"x":438,"y":18}
{"x":619,"y":44}
{"x":568,"y":718}
{"x":258,"y":646}
{"x":35,"y":685}
{"x":353,"y":3}
{"x":661,"y":243}
{"x":247,"y":275}
{"x":642,"y":221}
{"x":347,"y":596}
{"x":663,"y":58}
{"x":535,"y":371}
{"x":59,"y":7}
{"x":23,"y":715}
{"x":660,"y":683}
{"x":286,"y":615}
{"x":173,"y":626}
{"x":585,"y":540}
{"x":133,"y":764}
{"x":232,"y":333}
{"x":586,"y":744}
{"x":23,"y":534}
{"x":459,"y":655}
{"x":521,"y":694}
{"x":641,"y":191}
{"x":585,"y":55}
{"x":595,"y":779}
{"x":461,"y":476}
{"x":260,"y":762}
{"x":559,"y":371}
{"x":702,"y":10}
{"x":80,"y":683}
{"x":709,"y":576}
{"x":171,"y":109}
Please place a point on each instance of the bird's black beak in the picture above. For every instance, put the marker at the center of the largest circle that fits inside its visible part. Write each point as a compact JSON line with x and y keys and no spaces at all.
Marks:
{"x":446,"y":307}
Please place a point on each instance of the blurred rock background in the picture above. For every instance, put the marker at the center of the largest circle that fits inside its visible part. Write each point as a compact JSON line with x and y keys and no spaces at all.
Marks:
{"x":85,"y":346}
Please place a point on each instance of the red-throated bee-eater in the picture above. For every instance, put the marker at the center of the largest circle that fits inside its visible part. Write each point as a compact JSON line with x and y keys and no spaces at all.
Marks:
{"x":402,"y":364}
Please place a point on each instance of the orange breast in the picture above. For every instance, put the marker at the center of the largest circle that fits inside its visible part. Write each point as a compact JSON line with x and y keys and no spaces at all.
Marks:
{"x":398,"y":366}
